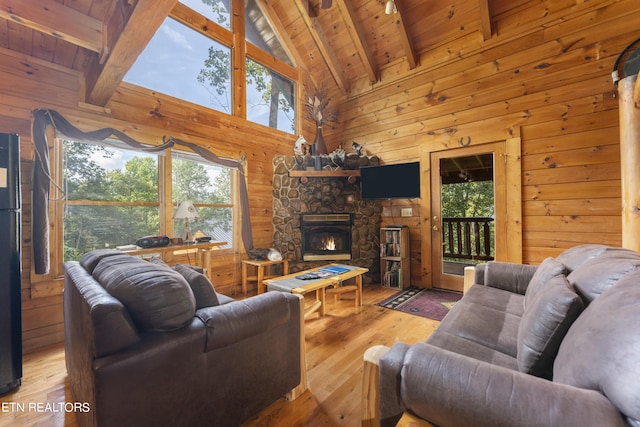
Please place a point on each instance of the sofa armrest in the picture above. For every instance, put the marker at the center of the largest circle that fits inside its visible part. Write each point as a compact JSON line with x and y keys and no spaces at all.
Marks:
{"x":449,"y":389}
{"x":508,"y":276}
{"x":235,"y":321}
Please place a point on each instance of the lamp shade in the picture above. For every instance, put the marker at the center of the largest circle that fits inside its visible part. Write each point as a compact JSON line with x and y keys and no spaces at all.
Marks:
{"x":390,"y":7}
{"x":186,"y":210}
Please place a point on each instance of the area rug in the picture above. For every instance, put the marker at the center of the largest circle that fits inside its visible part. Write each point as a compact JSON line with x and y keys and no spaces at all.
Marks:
{"x":430,"y":303}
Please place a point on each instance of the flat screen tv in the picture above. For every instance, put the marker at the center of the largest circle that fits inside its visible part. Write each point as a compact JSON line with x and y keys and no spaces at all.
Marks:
{"x":398,"y":181}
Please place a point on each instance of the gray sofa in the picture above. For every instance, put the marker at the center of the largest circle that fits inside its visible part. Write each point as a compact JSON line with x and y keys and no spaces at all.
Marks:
{"x":151,"y":345}
{"x":553,"y":345}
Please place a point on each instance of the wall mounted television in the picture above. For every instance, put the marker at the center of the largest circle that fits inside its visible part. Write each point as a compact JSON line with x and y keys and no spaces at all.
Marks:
{"x":397,"y":181}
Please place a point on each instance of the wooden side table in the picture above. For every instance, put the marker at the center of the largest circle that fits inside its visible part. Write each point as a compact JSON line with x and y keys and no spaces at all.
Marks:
{"x":260,"y":276}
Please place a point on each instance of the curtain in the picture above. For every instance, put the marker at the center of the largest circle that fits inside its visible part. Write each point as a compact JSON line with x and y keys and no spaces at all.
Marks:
{"x":42,"y":177}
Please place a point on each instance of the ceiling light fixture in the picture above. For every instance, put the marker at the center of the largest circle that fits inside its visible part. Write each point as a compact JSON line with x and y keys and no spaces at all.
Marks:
{"x":390,"y":7}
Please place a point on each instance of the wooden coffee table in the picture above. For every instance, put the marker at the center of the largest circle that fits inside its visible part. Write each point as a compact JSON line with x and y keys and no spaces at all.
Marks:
{"x":290,"y":283}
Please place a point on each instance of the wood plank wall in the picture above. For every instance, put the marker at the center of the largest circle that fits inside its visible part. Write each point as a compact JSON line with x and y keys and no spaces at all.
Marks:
{"x":27,"y":84}
{"x":544,"y":76}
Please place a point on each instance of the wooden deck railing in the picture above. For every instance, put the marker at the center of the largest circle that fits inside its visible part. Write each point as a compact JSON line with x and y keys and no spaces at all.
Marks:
{"x":467,"y":238}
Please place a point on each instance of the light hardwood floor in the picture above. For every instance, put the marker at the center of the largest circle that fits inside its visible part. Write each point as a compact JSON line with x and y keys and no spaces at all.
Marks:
{"x":335,"y":344}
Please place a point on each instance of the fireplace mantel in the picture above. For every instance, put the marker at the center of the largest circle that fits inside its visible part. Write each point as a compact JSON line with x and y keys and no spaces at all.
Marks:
{"x":304,"y":175}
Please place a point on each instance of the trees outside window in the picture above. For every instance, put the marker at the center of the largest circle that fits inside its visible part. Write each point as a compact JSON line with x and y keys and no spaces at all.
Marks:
{"x":209,"y":188}
{"x":185,"y":64}
{"x":196,"y":65}
{"x":112,"y":197}
{"x":469,"y":200}
{"x":270,"y":98}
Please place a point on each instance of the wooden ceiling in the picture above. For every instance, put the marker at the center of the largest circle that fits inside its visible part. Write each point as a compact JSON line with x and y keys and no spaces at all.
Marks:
{"x":352,"y":39}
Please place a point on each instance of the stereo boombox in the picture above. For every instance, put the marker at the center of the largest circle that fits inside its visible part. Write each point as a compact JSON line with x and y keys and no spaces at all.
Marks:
{"x":153,"y":241}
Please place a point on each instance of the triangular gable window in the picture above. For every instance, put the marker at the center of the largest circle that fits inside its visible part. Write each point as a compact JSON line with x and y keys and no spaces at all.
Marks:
{"x":260,"y":33}
{"x":219,"y":11}
{"x":194,"y":64}
{"x":178,"y":61}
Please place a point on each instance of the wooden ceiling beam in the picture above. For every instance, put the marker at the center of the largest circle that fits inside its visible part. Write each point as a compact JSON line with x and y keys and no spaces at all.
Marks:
{"x":53,"y":18}
{"x":357,"y":35}
{"x":322,"y":42}
{"x":103,"y":79}
{"x":485,"y":20}
{"x":407,"y":42}
{"x":281,"y":32}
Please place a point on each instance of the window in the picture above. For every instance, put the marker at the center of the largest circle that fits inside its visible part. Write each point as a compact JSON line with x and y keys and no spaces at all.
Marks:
{"x":270,"y":98}
{"x":219,"y":11}
{"x":185,"y":64}
{"x":112,"y":197}
{"x":195,"y":63}
{"x":209,"y":187}
{"x":259,"y":32}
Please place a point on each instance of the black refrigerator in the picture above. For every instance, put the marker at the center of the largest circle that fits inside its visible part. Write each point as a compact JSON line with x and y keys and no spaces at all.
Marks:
{"x":10,"y":248}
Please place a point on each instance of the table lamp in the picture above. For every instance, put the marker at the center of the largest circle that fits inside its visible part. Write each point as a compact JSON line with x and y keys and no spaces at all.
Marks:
{"x":188,"y":212}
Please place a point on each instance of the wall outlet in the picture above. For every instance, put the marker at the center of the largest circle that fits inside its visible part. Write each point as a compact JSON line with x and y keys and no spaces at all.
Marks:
{"x":406,"y":212}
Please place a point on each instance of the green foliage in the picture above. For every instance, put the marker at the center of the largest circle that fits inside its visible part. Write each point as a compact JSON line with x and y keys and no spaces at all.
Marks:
{"x":137,"y":183}
{"x":467,"y":199}
{"x":83,"y":177}
{"x":221,"y":10}
{"x":190,"y":182}
{"x":116,"y":207}
{"x":215,"y":78}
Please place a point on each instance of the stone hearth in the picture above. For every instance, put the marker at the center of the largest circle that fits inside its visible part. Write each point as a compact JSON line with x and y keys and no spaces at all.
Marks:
{"x":291,"y":198}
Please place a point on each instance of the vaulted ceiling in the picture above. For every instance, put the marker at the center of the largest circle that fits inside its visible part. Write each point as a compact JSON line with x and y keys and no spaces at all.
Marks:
{"x":352,"y":39}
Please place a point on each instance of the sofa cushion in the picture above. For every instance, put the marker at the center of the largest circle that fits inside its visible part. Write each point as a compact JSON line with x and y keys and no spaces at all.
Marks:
{"x":601,"y":351}
{"x":91,"y":259}
{"x":488,"y":326}
{"x":574,"y":257}
{"x":459,"y":345}
{"x":496,"y":298}
{"x":508,"y":276}
{"x":601,"y":272}
{"x":546,"y":271}
{"x":201,"y":287}
{"x":157,"y":298}
{"x":545,"y":321}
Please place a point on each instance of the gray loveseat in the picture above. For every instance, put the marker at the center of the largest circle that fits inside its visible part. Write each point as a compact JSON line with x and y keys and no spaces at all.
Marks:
{"x":151,"y":345}
{"x":553,"y":345}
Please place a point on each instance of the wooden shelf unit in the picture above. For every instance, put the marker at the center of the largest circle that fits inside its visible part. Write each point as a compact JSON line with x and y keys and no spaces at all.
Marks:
{"x":395,"y":271}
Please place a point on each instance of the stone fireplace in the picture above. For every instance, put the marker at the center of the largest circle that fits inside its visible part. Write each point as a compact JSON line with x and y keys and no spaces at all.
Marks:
{"x":323,"y":196}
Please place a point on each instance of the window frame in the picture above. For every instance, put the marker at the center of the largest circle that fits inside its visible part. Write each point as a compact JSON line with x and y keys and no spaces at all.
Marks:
{"x":165,"y":204}
{"x":241,"y":50}
{"x":234,"y":203}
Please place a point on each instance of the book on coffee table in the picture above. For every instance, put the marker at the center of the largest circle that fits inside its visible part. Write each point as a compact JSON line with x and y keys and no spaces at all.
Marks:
{"x":334,"y":269}
{"x":321,"y":273}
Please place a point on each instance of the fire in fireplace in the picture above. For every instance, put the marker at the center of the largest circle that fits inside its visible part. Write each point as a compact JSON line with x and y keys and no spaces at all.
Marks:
{"x":326,"y":236}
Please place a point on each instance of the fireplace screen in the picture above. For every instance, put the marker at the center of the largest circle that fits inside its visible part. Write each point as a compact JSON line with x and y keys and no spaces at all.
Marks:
{"x":326,"y":236}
